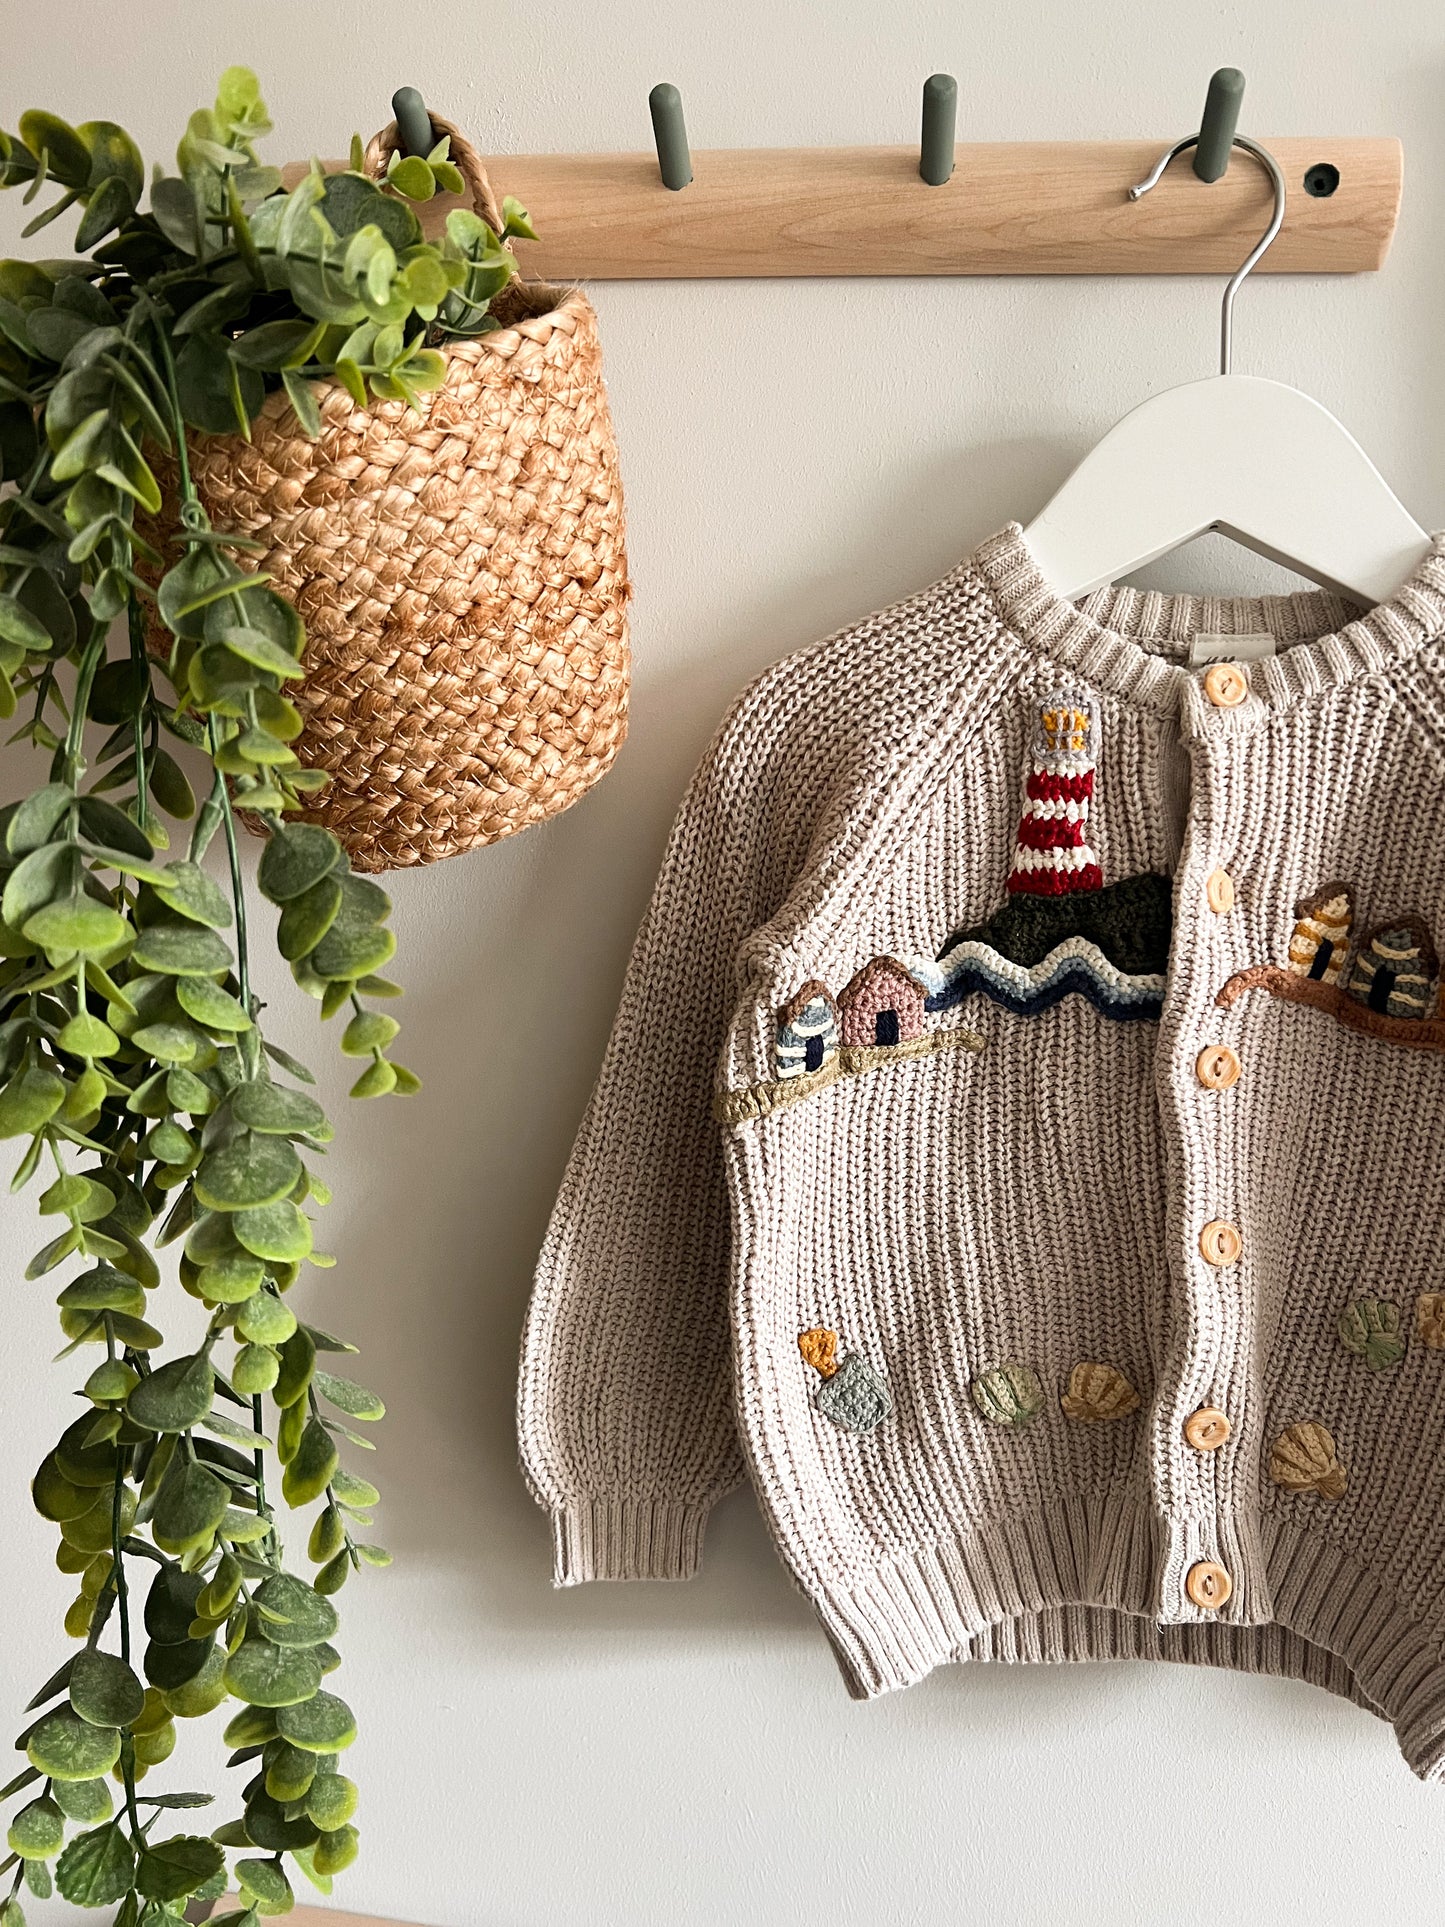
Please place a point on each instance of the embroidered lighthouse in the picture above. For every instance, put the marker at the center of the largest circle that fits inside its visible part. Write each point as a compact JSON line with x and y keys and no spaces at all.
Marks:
{"x":1052,"y":855}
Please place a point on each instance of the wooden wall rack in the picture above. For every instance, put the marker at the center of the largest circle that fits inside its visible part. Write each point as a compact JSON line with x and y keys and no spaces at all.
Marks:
{"x":1008,"y":207}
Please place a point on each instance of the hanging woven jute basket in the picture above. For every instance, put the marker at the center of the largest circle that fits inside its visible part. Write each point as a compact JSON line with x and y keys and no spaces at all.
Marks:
{"x":461,"y":572}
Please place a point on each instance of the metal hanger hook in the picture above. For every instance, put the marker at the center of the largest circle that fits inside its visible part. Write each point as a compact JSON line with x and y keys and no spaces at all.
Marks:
{"x":1267,"y":161}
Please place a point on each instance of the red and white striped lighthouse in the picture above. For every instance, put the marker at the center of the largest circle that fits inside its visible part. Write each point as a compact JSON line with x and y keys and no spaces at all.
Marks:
{"x":1052,"y":856}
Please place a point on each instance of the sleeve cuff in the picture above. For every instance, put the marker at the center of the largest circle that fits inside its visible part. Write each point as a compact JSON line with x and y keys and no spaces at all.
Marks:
{"x":627,"y":1539}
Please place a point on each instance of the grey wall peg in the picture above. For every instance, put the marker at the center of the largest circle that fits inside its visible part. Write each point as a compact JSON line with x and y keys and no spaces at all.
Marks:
{"x":669,"y":130}
{"x":1221,"y":118}
{"x":413,"y":122}
{"x":940,"y":118}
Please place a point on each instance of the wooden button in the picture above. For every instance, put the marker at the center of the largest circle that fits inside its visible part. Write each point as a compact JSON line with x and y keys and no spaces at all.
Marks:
{"x":1226,"y":685}
{"x":1208,"y":1585}
{"x":1219,"y":888}
{"x":1221,"y":1243}
{"x":1207,"y":1429}
{"x":1217,"y":1067}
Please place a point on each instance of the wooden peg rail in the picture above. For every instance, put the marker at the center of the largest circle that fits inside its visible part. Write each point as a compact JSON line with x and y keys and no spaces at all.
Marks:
{"x":1015,"y":207}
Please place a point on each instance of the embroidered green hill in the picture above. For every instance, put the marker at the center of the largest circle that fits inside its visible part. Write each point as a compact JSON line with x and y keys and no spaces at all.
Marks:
{"x":1130,"y":921}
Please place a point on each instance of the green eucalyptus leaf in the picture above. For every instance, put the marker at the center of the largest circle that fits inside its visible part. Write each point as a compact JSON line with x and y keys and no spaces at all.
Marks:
{"x":190,"y":1505}
{"x":38,"y":1831}
{"x":294,"y":1614}
{"x":37,"y":818}
{"x":176,"y":1396}
{"x":346,"y":952}
{"x":331,"y":1801}
{"x":171,"y":1603}
{"x":181,"y":950}
{"x":295,"y":858}
{"x":264,"y":1880}
{"x":349,"y":1397}
{"x":17,"y":625}
{"x":336,"y":1851}
{"x":322,"y":1724}
{"x":298,"y":1362}
{"x":104,"y":1691}
{"x":262,"y":651}
{"x":267,"y":1107}
{"x":171,"y":786}
{"x":217,"y":1009}
{"x":309,"y":1473}
{"x":255,"y":1370}
{"x":306,"y":919}
{"x":193,"y":1698}
{"x":66,"y":1747}
{"x":105,"y":824}
{"x":86,"y":1801}
{"x":264,"y":1674}
{"x":188,"y":890}
{"x":252,"y":1169}
{"x":68,"y":157}
{"x":279,"y":1232}
{"x":47,"y":875}
{"x":29,"y":1101}
{"x":76,"y":926}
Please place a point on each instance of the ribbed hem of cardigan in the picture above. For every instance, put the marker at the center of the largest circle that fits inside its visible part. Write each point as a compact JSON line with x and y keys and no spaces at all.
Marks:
{"x":626,"y":1539}
{"x":1078,"y":1581}
{"x":1135,"y":642}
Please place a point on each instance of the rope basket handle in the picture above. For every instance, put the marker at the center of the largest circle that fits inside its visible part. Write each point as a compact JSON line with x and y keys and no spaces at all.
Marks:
{"x":383,"y":145}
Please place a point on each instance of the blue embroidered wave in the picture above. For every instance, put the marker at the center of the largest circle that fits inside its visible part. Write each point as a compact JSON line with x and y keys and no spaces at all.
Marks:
{"x":1075,"y":966}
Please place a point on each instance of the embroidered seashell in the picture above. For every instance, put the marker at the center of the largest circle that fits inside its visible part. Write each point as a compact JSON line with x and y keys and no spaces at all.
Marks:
{"x":1098,"y":1392}
{"x":820,"y":1350}
{"x":1304,"y":1460}
{"x":1009,"y":1395}
{"x":854,"y":1396}
{"x":1430,"y":1320}
{"x":1370,"y":1328}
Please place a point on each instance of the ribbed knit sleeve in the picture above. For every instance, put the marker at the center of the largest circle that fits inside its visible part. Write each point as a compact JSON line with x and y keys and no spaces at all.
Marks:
{"x":626,"y":1412}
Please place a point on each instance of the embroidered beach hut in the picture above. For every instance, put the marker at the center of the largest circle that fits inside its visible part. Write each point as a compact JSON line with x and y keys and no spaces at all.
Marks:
{"x":883,"y":1004}
{"x":1320,"y":941}
{"x":1395,"y":970}
{"x":807,"y":1030}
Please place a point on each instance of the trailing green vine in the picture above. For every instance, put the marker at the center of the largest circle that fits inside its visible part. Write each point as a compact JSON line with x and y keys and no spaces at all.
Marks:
{"x":135,"y":1073}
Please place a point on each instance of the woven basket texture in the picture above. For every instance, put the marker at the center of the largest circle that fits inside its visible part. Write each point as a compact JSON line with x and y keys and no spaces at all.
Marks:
{"x":462,"y":574}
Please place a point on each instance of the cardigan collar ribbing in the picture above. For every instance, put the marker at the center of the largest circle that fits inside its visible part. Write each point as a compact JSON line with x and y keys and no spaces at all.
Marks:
{"x":1135,"y":642}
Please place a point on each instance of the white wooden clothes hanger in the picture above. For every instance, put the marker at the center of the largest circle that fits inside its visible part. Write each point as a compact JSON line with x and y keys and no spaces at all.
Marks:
{"x":1256,"y":460}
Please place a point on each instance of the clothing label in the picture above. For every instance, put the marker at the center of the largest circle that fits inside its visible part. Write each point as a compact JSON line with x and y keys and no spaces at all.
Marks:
{"x":1209,"y":647}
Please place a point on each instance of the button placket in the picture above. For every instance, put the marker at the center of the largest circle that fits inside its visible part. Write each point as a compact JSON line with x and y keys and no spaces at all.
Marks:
{"x":1222,"y":711}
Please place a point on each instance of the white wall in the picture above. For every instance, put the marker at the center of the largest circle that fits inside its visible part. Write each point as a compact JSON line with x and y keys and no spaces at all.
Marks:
{"x":795,"y":454}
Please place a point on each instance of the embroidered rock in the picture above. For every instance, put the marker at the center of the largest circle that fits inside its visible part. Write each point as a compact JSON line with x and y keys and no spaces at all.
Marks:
{"x":1098,"y":1392}
{"x":1394,"y":974}
{"x":883,"y":1004}
{"x":1009,"y":1395}
{"x":1370,"y":1328}
{"x":807,"y":1031}
{"x":854,"y":1397}
{"x":1430,"y":1320}
{"x":820,"y":1350}
{"x":1304,"y":1460}
{"x":1320,"y":941}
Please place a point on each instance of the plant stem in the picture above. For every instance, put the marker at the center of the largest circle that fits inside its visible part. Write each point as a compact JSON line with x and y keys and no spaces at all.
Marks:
{"x":135,"y":623}
{"x":122,"y":1600}
{"x":74,"y":765}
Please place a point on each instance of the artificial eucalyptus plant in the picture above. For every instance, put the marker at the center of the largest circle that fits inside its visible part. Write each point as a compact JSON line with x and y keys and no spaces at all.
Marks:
{"x":135,"y":1074}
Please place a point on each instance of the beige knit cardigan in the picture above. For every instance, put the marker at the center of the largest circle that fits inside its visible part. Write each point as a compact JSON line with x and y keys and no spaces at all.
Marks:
{"x":1063,"y":1295}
